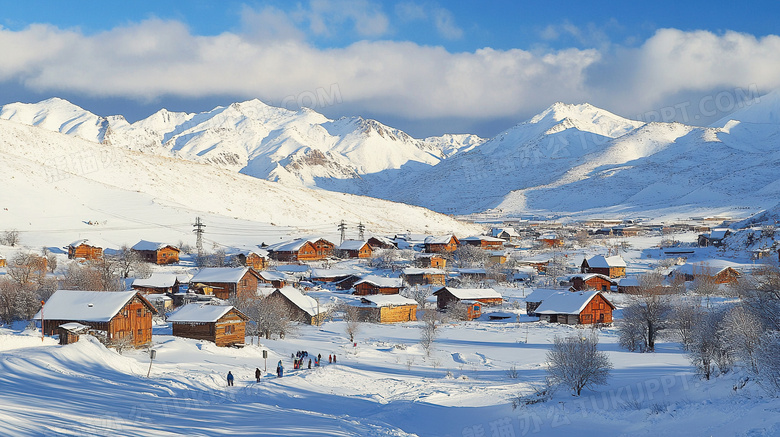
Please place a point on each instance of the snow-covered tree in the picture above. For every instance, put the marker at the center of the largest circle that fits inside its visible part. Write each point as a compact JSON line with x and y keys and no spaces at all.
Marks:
{"x":576,"y":363}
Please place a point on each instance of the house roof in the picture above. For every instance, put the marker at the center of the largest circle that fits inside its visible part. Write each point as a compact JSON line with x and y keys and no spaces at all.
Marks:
{"x":509,"y":231}
{"x":200,"y":313}
{"x":272,"y":276}
{"x":443,"y":239}
{"x":157,"y":280}
{"x":416,"y":271}
{"x":601,"y":262}
{"x":383,"y":240}
{"x":717,"y":234}
{"x":548,"y":237}
{"x":586,"y":276}
{"x":711,"y":267}
{"x":630,"y":281}
{"x":151,"y":245}
{"x":483,"y":238}
{"x":381,"y":281}
{"x":352,"y":245}
{"x":330,"y":273}
{"x":220,"y":274}
{"x":85,"y":306}
{"x":540,"y":294}
{"x":384,"y":300}
{"x":471,"y":293}
{"x":288,"y":246}
{"x":567,"y":302}
{"x":472,"y":271}
{"x":306,"y":303}
{"x":78,"y":243}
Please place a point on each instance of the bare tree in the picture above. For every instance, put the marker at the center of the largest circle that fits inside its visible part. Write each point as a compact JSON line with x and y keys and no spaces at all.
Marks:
{"x":27,"y":269}
{"x":127,"y":262}
{"x":457,"y":312}
{"x":768,"y":362}
{"x":431,"y":320}
{"x":470,"y":256}
{"x":10,"y":238}
{"x":269,"y":314}
{"x":704,"y":282}
{"x":384,"y":258}
{"x":647,"y":315}
{"x":576,"y":363}
{"x":17,"y":302}
{"x":707,"y":349}
{"x":418,"y":293}
{"x":351,"y":321}
{"x":686,"y":315}
{"x":743,"y":330}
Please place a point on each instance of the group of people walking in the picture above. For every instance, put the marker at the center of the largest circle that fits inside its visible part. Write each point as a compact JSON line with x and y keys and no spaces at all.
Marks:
{"x":298,"y":360}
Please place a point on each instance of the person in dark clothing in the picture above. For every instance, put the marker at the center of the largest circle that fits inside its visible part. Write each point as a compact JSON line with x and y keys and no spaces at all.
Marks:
{"x":279,"y":369}
{"x":230,"y":379}
{"x":330,"y":359}
{"x":334,"y":358}
{"x":258,"y":374}
{"x":319,"y":357}
{"x":309,"y":363}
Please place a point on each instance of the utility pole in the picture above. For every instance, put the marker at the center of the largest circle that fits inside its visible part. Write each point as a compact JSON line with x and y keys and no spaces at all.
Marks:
{"x":362,"y":231}
{"x":343,"y":230}
{"x":199,"y":236}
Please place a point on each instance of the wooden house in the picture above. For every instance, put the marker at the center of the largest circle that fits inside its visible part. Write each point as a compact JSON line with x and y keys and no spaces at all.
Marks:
{"x":718,"y":271}
{"x":301,"y":308}
{"x":713,"y":238}
{"x":430,"y":276}
{"x":485,"y":243}
{"x":447,"y":295}
{"x":628,"y":285}
{"x":119,"y":314}
{"x":80,"y":249}
{"x":222,"y":324}
{"x":506,"y":234}
{"x":430,"y":260}
{"x":386,"y":309}
{"x":536,"y":297}
{"x":381,"y":243}
{"x":613,"y":266}
{"x":472,"y":275}
{"x":330,"y":275}
{"x":256,"y":259}
{"x":295,"y":250}
{"x":497,"y":257}
{"x":322,"y":247}
{"x":579,"y":307}
{"x":372,"y":284}
{"x":3,"y":262}
{"x":591,"y":281}
{"x":355,"y":249}
{"x":158,"y":282}
{"x":69,"y":332}
{"x":550,"y":240}
{"x":442,"y":244}
{"x":156,"y":253}
{"x":275,"y":279}
{"x":227,"y":282}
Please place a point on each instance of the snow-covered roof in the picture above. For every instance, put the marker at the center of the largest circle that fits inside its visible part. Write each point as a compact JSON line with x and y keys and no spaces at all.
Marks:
{"x":300,"y":300}
{"x":717,"y":234}
{"x":287,"y":246}
{"x":381,"y":281}
{"x":157,"y":280}
{"x":220,"y":274}
{"x":352,"y":245}
{"x":151,"y":245}
{"x":630,"y":281}
{"x":74,"y":327}
{"x":472,"y":293}
{"x":540,"y":294}
{"x":586,"y":276}
{"x":86,"y":306}
{"x":601,"y":262}
{"x":330,"y":273}
{"x":293,"y":268}
{"x":199,"y":313}
{"x":384,"y":300}
{"x":548,"y":237}
{"x":78,"y":243}
{"x":443,"y":239}
{"x":483,"y":238}
{"x":566,"y":302}
{"x":709,"y":267}
{"x":472,"y":271}
{"x":416,"y":271}
{"x":509,"y":231}
{"x":155,"y":297}
{"x":383,"y":240}
{"x":269,"y":275}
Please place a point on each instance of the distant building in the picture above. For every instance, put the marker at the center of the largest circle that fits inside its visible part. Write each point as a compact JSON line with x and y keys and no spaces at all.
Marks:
{"x":441,"y":244}
{"x":713,"y":238}
{"x":372,"y":284}
{"x":300,"y":307}
{"x":222,"y":324}
{"x":414,"y":276}
{"x":156,"y":253}
{"x":81,"y":249}
{"x":613,"y":266}
{"x":580,"y":307}
{"x":355,"y":249}
{"x":227,"y":282}
{"x":392,"y":308}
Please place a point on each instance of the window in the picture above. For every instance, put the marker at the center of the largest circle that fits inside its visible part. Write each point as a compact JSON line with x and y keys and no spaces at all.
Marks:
{"x":138,"y":312}
{"x":229,"y":329}
{"x":140,"y":333}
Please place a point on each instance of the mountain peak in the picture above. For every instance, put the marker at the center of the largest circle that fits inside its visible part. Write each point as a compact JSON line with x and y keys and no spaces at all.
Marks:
{"x":761,"y":110}
{"x":584,"y":117}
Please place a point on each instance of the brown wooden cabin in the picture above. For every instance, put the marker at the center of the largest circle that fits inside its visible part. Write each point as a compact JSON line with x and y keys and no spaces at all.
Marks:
{"x":613,"y":266}
{"x":222,"y":324}
{"x":579,"y":307}
{"x":274,"y":278}
{"x":536,"y":297}
{"x":445,"y":296}
{"x":414,"y":276}
{"x":157,"y":283}
{"x":378,"y":285}
{"x":120,"y":314}
{"x":347,"y":283}
{"x":591,"y":281}
{"x":254,"y":260}
{"x":69,"y":332}
{"x":330,"y":276}
{"x":719,"y":275}
{"x":355,"y":249}
{"x":156,"y":253}
{"x":540,"y":266}
{"x":3,"y":262}
{"x":392,"y":308}
{"x":295,"y":250}
{"x":498,"y":257}
{"x":550,"y":240}
{"x":301,"y":308}
{"x":473,"y":309}
{"x":485,"y":243}
{"x":227,"y":282}
{"x":431,"y":260}
{"x":443,"y":244}
{"x":81,"y":250}
{"x":323,"y":248}
{"x":381,"y":243}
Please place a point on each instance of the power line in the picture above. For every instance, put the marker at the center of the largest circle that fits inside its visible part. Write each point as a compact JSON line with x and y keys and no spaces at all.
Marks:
{"x":199,"y":236}
{"x":342,"y":230}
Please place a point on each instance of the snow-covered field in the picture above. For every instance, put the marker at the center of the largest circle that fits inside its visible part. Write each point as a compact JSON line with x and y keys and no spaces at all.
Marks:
{"x":383,"y":386}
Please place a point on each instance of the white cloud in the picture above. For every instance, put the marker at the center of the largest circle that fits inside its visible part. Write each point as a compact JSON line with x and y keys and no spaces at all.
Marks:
{"x":157,"y":58}
{"x":445,"y":24}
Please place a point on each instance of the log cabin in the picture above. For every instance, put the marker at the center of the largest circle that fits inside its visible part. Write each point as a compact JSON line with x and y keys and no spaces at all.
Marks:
{"x":430,"y":260}
{"x":717,"y":271}
{"x":330,"y":275}
{"x":381,"y":243}
{"x":713,"y":238}
{"x":613,"y":266}
{"x":273,"y":278}
{"x":550,"y":240}
{"x":355,"y":249}
{"x":158,"y":282}
{"x":257,"y":259}
{"x":156,"y":253}
{"x":484,"y":243}
{"x":414,"y":276}
{"x":506,"y":234}
{"x":122,"y":315}
{"x":536,"y":297}
{"x":447,"y":295}
{"x":322,"y":247}
{"x":81,"y":250}
{"x":372,"y":284}
{"x":579,"y":307}
{"x":392,"y":308}
{"x":69,"y":332}
{"x":442,"y":244}
{"x":592,"y":281}
{"x":292,"y":251}
{"x":3,"y":262}
{"x":227,"y":282}
{"x":301,"y":308}
{"x":223,"y":325}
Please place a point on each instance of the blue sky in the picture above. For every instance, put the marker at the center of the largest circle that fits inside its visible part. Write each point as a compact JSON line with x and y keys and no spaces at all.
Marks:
{"x":425,"y":67}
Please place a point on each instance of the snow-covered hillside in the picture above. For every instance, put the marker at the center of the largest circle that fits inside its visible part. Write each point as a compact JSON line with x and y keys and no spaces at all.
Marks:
{"x":56,"y":184}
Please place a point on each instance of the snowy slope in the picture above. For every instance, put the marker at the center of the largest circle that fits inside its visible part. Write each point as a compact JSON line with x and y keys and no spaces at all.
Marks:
{"x":56,"y":183}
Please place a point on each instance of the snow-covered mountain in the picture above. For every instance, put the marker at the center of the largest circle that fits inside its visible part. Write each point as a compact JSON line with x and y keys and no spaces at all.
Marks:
{"x":572,"y":159}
